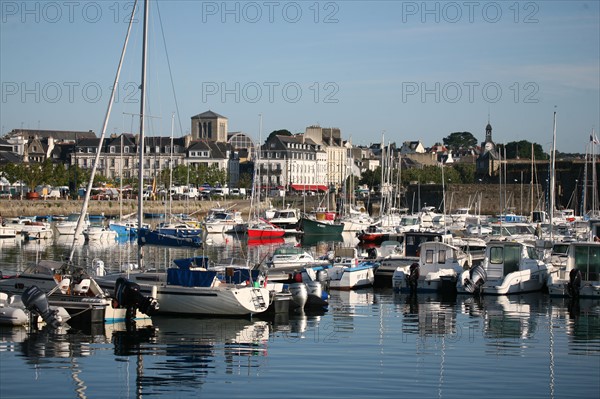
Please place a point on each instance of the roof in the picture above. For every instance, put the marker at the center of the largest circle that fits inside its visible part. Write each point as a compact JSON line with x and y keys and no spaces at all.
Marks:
{"x":59,"y":135}
{"x":208,"y":115}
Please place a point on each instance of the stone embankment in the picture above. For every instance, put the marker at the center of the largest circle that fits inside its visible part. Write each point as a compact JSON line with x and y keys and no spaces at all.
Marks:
{"x":16,"y":208}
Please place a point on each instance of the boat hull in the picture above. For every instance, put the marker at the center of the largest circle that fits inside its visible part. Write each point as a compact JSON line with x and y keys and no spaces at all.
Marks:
{"x":315,"y":227}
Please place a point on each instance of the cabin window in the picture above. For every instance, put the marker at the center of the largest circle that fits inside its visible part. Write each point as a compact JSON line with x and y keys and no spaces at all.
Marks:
{"x":496,"y":255}
{"x":442,"y":256}
{"x":587,"y":260}
{"x":512,"y":255}
{"x":429,"y":256}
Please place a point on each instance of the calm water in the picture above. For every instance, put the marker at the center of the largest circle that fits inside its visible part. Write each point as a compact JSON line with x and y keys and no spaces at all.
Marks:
{"x":370,"y":343}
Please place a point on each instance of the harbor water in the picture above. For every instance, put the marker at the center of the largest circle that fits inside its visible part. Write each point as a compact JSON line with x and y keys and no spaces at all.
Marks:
{"x":368,"y":343}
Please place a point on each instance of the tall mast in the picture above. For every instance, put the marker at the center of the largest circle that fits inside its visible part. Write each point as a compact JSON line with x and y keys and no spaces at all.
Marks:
{"x":552,"y":174}
{"x":171,"y":169}
{"x":79,"y":227}
{"x":594,"y":183}
{"x":532,"y":183}
{"x":141,"y":137}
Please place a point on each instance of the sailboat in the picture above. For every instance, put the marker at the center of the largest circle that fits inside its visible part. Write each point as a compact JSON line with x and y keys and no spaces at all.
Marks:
{"x":185,"y":289}
{"x":259,"y":228}
{"x":71,"y":286}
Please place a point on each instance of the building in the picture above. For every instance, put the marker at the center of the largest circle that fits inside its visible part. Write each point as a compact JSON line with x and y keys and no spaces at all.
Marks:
{"x":412,"y":147}
{"x":209,"y":126}
{"x":488,"y":162}
{"x":293,"y":162}
{"x":329,"y":139}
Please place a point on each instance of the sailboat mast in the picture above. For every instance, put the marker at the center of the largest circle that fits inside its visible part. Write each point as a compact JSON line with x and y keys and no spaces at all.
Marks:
{"x":594,"y":177}
{"x":552,"y":173}
{"x":141,"y":137}
{"x":532,"y":183}
{"x":171,"y":169}
{"x":121,"y":181}
{"x":79,"y":227}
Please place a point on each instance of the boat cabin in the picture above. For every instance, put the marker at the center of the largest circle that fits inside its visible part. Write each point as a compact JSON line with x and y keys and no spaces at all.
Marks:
{"x":506,"y":257}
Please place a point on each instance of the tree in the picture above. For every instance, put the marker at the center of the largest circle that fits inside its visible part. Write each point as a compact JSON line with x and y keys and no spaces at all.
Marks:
{"x":245,"y":180}
{"x":458,"y":140}
{"x":522,"y":149}
{"x":281,"y":132}
{"x":371,"y":178}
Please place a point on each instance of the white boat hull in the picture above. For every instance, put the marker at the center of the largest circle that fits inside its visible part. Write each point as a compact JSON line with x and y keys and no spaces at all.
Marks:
{"x":346,"y":278}
{"x":222,"y":300}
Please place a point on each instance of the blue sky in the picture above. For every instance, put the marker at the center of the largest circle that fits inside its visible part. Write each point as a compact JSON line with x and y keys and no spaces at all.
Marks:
{"x":414,"y":70}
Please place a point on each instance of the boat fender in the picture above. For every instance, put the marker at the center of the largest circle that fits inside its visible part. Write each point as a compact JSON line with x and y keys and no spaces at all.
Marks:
{"x":298,"y":277}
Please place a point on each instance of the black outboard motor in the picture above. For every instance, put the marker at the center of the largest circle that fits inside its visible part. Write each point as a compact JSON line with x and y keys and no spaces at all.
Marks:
{"x":35,"y":301}
{"x":413,"y":276}
{"x":477,"y":277}
{"x":574,"y":283}
{"x":128,"y":295}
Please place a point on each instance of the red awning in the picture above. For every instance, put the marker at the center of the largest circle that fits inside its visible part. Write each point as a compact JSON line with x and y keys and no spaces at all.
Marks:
{"x":308,"y":187}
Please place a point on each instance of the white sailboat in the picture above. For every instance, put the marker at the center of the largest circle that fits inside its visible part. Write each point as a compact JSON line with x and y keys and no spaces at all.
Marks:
{"x":185,"y":290}
{"x":69,"y":285}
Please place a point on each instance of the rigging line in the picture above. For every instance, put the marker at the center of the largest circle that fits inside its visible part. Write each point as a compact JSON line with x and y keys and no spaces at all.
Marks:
{"x":169,"y":67}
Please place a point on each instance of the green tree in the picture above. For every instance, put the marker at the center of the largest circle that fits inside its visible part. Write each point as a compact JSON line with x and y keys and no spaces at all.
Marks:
{"x":245,"y":180}
{"x":522,"y":149}
{"x":371,"y":178}
{"x":458,"y":140}
{"x":465,"y":171}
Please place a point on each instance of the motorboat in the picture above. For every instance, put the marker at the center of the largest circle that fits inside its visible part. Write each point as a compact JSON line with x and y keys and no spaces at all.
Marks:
{"x":78,"y":292}
{"x":32,"y":306}
{"x":579,"y":276}
{"x":67,"y":227}
{"x":349,"y":270}
{"x":509,"y":267}
{"x":437,"y":269}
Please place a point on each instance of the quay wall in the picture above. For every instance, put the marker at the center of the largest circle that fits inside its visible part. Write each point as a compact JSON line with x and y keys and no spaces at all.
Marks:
{"x":516,"y":196}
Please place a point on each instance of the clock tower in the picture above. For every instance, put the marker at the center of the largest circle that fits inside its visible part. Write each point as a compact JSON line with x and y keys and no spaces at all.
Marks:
{"x":488,"y":145}
{"x":487,"y":163}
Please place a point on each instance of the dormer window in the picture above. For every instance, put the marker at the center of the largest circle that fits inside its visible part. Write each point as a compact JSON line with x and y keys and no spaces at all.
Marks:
{"x":112,"y":149}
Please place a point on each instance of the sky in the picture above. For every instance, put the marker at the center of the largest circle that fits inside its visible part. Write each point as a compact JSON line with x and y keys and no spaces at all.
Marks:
{"x":397,"y":70}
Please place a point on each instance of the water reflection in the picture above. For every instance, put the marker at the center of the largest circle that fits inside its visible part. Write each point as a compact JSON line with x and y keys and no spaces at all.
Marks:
{"x":428,"y":315}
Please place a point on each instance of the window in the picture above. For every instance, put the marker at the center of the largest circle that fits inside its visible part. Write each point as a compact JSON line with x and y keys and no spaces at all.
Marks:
{"x":126,"y":150}
{"x":587,"y":260}
{"x":496,"y":255}
{"x":512,"y":256}
{"x":442,"y":256}
{"x":429,"y":256}
{"x":111,"y":149}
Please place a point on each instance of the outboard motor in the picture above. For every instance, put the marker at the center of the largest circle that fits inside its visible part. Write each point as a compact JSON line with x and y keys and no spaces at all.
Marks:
{"x":476,"y":279}
{"x":574,"y":283}
{"x":299,"y":294}
{"x":322,"y":275}
{"x":413,"y":277}
{"x":128,"y":295}
{"x":36,"y":301}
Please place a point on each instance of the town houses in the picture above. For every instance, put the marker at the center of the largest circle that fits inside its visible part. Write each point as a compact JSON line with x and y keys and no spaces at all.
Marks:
{"x":318,"y":159}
